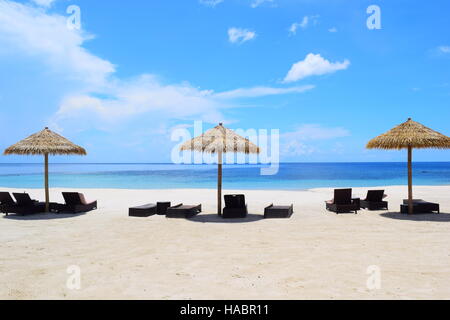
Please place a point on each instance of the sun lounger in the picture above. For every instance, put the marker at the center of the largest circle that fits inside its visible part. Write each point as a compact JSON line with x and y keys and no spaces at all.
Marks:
{"x":161,"y":208}
{"x":420,"y":206}
{"x":343,"y":202}
{"x":24,"y":205}
{"x":7,"y":203}
{"x":24,"y":199}
{"x":143,"y":211}
{"x":278,"y":212}
{"x":235,"y":207}
{"x":374,"y":200}
{"x":183,"y":211}
{"x":75,"y":203}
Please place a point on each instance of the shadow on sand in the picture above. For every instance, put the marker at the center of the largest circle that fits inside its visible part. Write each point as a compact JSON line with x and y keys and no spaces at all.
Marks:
{"x":43,"y":216}
{"x":214,"y":218}
{"x":434,"y":217}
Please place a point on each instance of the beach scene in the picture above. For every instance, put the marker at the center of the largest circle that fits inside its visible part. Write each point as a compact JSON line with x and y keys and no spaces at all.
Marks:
{"x":224,"y":150}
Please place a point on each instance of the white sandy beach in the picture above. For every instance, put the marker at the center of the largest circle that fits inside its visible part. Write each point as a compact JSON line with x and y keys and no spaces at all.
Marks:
{"x":314,"y":255}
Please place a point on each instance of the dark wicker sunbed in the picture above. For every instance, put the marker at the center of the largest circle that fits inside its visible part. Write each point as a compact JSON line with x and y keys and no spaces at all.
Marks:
{"x":24,"y":205}
{"x":278,"y":212}
{"x":7,"y":204}
{"x":161,"y":208}
{"x":183,"y":211}
{"x":343,"y":202}
{"x":420,"y":206}
{"x":75,"y":203}
{"x":374,"y":200}
{"x":24,"y":199}
{"x":235,"y":207}
{"x":143,"y":211}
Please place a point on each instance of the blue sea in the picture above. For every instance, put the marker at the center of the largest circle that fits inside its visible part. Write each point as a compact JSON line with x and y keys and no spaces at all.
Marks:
{"x":291,"y":176}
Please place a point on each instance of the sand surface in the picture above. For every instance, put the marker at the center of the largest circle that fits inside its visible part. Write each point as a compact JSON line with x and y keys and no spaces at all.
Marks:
{"x":314,"y":255}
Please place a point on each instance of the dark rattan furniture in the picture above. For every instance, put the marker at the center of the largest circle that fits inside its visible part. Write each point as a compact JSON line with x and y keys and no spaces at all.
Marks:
{"x":75,"y":203}
{"x":343,"y":202}
{"x":142,"y":211}
{"x":278,"y":212}
{"x":161,"y":208}
{"x":183,"y":211}
{"x":24,"y":205}
{"x":374,"y":200}
{"x":7,"y":204}
{"x":24,"y":199}
{"x":235,"y":207}
{"x":420,"y":206}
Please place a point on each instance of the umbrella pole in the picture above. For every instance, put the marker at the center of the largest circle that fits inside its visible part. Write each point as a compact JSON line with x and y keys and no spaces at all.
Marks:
{"x":47,"y":196}
{"x":219,"y":183}
{"x":410,"y":188}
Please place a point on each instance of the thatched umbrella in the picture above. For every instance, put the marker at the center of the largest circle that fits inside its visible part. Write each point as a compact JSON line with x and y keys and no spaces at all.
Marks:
{"x":220,"y":140}
{"x":410,"y":135}
{"x":45,"y":143}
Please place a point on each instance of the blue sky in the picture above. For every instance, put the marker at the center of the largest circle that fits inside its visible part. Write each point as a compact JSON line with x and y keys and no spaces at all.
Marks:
{"x":138,"y":69}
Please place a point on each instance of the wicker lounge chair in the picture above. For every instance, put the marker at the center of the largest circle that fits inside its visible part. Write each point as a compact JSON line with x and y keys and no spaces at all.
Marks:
{"x":183,"y":211}
{"x":24,"y":205}
{"x":161,"y":208}
{"x":278,"y":212}
{"x":374,"y":200}
{"x":235,"y":207}
{"x":420,"y":206}
{"x":143,"y":211}
{"x":343,"y":202}
{"x":24,"y":200}
{"x":7,"y":203}
{"x":75,"y":203}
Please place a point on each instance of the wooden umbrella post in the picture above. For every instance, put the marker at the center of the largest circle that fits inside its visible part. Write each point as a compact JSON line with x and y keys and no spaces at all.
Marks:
{"x":47,"y":196}
{"x":410,"y":188}
{"x":219,"y":183}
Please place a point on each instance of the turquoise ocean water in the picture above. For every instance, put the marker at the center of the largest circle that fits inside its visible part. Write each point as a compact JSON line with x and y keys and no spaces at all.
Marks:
{"x":291,"y":176}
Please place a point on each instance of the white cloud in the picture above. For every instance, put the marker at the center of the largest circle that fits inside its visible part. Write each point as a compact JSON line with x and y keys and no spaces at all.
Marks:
{"x":333,"y":29}
{"x":306,"y":21}
{"x":44,"y":3}
{"x":313,"y":65}
{"x":444,"y":49}
{"x":34,"y":32}
{"x":100,"y":99}
{"x":257,"y":3}
{"x":131,"y":99}
{"x":125,"y":100}
{"x":297,"y":142}
{"x":210,"y":3}
{"x":238,"y":35}
{"x":316,"y":132}
{"x":296,"y":148}
{"x":260,"y":91}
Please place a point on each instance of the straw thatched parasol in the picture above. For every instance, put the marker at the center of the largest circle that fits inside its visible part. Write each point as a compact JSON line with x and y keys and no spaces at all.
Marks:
{"x":45,"y":142}
{"x":410,"y":135}
{"x":220,"y":140}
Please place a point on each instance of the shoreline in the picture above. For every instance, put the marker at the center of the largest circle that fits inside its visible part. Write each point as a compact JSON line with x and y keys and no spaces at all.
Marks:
{"x":225,"y":189}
